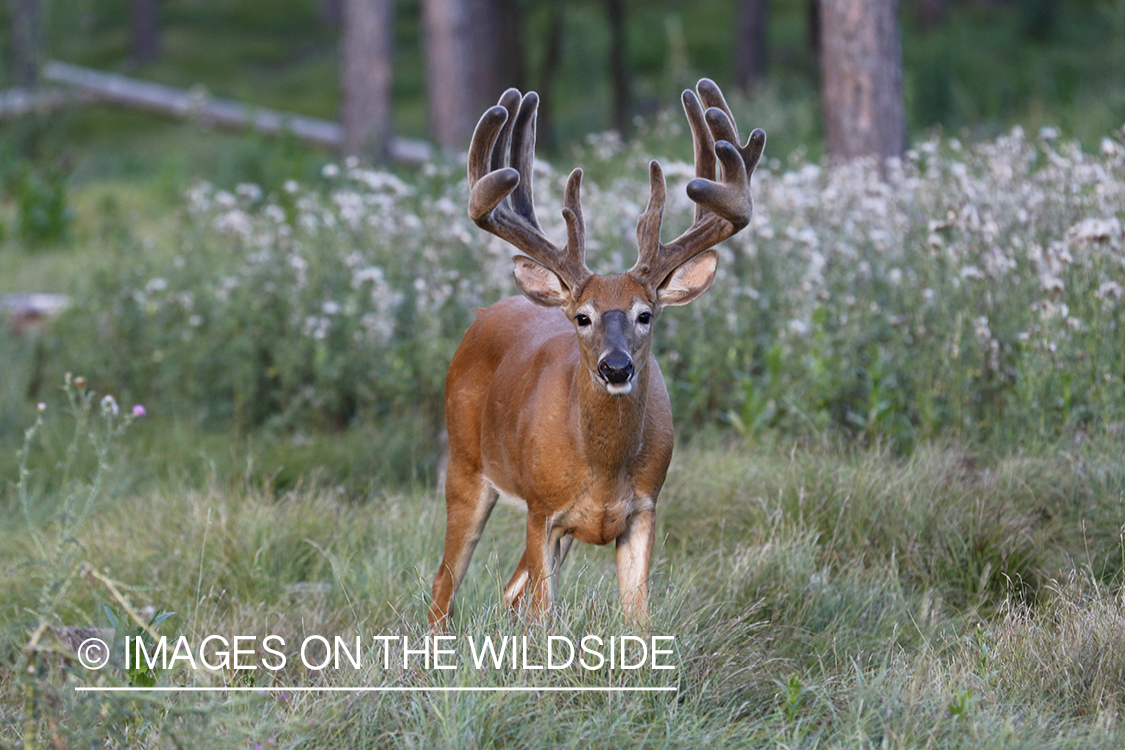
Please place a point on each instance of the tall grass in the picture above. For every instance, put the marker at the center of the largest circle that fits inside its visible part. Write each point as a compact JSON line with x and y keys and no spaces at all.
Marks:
{"x":818,"y":596}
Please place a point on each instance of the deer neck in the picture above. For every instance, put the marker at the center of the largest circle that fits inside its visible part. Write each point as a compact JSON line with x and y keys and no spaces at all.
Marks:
{"x":612,"y":427}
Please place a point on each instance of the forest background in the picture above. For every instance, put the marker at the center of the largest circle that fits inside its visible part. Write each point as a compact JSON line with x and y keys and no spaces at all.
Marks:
{"x":895,"y":515}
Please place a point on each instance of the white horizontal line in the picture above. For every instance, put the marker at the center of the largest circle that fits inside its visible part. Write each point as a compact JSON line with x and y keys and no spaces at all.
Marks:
{"x":338,"y":689}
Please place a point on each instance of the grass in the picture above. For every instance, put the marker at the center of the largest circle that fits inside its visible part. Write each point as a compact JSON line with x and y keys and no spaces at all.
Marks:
{"x":819,"y":597}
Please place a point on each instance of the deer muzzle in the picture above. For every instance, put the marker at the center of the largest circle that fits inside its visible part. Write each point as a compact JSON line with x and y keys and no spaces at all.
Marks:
{"x":615,"y":366}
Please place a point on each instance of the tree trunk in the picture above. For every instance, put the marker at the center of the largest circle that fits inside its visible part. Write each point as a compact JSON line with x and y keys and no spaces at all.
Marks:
{"x":861,"y":68}
{"x":472,"y":55}
{"x":812,"y":27}
{"x":930,"y":13}
{"x":27,"y":40}
{"x":366,"y":65}
{"x":750,"y":44}
{"x":144,"y":30}
{"x":552,"y":56}
{"x":331,"y":13}
{"x":447,"y":55}
{"x":615,"y":10}
{"x":512,"y":66}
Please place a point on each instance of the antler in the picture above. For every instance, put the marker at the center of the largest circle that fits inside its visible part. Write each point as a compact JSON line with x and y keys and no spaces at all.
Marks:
{"x":723,"y":203}
{"x":512,"y":122}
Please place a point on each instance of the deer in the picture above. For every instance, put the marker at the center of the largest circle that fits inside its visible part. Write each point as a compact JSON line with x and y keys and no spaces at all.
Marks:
{"x":554,"y":398}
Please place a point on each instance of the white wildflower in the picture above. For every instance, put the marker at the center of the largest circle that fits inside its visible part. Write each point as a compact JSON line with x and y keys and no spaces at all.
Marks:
{"x":274,"y":213}
{"x":225,"y":200}
{"x":249,"y":191}
{"x":236,"y":222}
{"x":373,"y":274}
{"x":109,"y":406}
{"x":1110,"y":290}
{"x":1051,"y":284}
{"x":981,"y":329}
{"x":1094,"y":230}
{"x":998,"y":264}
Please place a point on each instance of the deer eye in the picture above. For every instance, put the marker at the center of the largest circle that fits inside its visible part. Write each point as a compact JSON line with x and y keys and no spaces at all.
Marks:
{"x":581,"y":320}
{"x":644,"y":318}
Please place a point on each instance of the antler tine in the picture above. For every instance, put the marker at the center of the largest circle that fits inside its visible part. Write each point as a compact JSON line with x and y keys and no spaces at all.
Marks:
{"x":723,"y":202}
{"x":713,"y":98}
{"x":648,"y":226}
{"x":523,"y":156}
{"x":703,"y":140}
{"x":511,"y":125}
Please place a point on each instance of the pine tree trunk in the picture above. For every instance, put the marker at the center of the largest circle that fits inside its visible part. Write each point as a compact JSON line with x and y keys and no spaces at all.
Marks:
{"x":812,"y":26}
{"x":27,"y":40}
{"x":331,"y":13}
{"x":750,"y":59}
{"x":930,"y":13}
{"x":619,"y":76}
{"x":144,"y":30}
{"x":366,"y":66}
{"x":861,"y":67}
{"x":473,"y":52}
{"x":552,"y":57}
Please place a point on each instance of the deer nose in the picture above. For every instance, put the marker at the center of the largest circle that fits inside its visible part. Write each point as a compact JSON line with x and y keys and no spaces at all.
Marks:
{"x":616,"y":368}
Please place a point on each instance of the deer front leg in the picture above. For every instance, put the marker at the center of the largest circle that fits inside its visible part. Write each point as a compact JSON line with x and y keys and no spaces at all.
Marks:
{"x":634,"y":553}
{"x":469,"y":501}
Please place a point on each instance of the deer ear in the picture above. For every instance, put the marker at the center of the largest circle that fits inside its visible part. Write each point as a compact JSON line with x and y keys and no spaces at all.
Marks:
{"x":540,"y":284}
{"x":689,"y":280}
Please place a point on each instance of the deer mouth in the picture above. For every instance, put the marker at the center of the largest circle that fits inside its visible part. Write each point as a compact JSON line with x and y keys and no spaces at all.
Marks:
{"x":619,"y":389}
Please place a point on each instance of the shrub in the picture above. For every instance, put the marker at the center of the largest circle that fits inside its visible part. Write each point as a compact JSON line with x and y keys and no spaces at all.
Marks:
{"x":969,"y":290}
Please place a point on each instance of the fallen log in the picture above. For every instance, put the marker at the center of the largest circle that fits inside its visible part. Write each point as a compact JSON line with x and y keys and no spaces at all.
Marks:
{"x":198,"y":105}
{"x":20,"y":102}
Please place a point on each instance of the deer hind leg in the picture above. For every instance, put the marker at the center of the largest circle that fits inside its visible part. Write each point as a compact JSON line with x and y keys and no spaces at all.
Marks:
{"x":469,"y":500}
{"x":517,"y":585}
{"x":538,"y":569}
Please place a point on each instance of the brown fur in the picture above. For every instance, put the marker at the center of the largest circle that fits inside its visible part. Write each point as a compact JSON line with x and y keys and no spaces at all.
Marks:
{"x":526,"y":418}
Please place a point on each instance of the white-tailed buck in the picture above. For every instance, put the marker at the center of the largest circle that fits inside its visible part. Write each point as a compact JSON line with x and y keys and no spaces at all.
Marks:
{"x":554,"y":398}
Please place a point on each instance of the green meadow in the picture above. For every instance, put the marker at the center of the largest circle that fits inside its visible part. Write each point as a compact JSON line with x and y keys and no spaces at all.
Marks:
{"x":895,"y":514}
